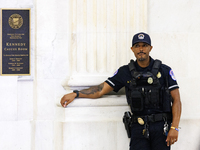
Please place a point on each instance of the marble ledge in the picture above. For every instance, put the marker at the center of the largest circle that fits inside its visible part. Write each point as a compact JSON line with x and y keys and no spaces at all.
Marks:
{"x":108,"y":107}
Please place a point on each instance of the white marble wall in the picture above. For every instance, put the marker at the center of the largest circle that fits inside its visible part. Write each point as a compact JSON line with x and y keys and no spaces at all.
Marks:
{"x":78,"y":43}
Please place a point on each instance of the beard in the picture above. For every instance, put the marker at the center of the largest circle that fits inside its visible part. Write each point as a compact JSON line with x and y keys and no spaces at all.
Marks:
{"x":141,"y":59}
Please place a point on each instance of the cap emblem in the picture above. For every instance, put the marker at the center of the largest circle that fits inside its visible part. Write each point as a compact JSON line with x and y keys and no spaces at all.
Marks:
{"x":141,"y":36}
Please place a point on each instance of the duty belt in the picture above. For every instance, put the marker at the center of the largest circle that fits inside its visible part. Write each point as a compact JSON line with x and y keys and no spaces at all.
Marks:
{"x":151,"y":118}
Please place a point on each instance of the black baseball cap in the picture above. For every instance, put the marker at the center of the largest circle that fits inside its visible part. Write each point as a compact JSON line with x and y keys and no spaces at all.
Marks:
{"x":141,"y":37}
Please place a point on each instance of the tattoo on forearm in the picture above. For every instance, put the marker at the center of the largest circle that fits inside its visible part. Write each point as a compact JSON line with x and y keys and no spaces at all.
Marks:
{"x":92,"y":90}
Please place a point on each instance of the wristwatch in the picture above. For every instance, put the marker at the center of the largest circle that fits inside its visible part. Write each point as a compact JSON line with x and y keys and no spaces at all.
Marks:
{"x":77,"y":93}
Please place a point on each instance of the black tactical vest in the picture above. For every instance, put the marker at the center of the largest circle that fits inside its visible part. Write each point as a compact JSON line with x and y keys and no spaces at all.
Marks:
{"x":145,"y":90}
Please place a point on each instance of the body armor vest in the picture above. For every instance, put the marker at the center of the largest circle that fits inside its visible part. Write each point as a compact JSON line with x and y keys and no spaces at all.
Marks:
{"x":145,"y":90}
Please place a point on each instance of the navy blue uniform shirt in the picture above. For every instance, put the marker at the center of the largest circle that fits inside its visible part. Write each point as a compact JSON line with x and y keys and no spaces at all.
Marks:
{"x":122,"y":76}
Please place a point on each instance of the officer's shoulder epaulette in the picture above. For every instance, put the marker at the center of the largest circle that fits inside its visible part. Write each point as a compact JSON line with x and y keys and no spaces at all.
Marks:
{"x":165,"y":67}
{"x":124,"y":67}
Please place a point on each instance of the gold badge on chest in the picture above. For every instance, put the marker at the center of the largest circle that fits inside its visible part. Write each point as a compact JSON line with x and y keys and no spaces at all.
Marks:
{"x":150,"y":80}
{"x":158,"y":75}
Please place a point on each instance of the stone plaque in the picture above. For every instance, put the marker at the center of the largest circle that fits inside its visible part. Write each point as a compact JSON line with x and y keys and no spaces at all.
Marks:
{"x":15,"y":48}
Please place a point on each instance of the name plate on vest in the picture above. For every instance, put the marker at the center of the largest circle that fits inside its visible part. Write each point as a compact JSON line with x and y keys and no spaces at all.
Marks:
{"x":15,"y":48}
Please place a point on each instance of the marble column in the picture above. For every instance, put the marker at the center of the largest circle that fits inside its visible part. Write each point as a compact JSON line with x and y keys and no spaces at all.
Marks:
{"x":100,"y":35}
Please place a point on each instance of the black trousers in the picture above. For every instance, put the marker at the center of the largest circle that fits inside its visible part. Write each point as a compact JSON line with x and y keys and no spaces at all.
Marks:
{"x":156,"y":141}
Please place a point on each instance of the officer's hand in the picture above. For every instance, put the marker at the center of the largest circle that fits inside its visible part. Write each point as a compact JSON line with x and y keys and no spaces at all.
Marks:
{"x":172,"y":137}
{"x":66,"y":99}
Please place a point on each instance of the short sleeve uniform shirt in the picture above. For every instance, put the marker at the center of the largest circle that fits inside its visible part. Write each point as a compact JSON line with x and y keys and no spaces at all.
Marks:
{"x":122,"y":76}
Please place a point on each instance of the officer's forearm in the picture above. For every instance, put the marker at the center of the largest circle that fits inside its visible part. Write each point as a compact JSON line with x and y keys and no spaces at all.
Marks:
{"x":92,"y":92}
{"x":176,"y":108}
{"x":176,"y":113}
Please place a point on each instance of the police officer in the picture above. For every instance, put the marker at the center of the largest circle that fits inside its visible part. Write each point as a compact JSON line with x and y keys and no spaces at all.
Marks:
{"x":152,"y":93}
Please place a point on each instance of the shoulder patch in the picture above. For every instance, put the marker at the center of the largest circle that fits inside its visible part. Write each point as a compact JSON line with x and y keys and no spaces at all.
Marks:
{"x":171,"y":73}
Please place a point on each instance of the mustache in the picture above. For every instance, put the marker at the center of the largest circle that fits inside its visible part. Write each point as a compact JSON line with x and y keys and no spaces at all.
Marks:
{"x":141,"y":53}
